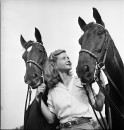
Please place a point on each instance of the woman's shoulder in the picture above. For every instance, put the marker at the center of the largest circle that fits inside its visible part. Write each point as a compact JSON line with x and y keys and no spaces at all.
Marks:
{"x":51,"y":90}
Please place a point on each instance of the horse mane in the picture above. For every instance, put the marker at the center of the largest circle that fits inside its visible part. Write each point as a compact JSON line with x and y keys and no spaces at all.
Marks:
{"x":29,"y":43}
{"x":118,"y":58}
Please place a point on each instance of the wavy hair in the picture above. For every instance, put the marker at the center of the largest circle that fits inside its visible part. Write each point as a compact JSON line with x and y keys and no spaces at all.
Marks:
{"x":51,"y":73}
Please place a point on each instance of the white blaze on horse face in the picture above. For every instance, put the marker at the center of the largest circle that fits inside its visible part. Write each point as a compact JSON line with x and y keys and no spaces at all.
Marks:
{"x":30,"y":64}
{"x":29,"y":48}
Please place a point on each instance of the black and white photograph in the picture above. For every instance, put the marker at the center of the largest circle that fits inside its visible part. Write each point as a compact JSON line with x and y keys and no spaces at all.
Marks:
{"x":62,"y":64}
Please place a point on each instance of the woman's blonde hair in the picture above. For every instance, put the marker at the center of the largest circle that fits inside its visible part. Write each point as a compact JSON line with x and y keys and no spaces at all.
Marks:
{"x":51,"y":73}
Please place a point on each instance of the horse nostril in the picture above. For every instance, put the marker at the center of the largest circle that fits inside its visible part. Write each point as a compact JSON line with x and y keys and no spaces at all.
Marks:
{"x":26,"y":80}
{"x":35,"y":75}
{"x":86,"y":68}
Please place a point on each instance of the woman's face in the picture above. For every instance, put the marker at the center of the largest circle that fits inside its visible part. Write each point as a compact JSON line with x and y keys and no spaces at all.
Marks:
{"x":63,"y":62}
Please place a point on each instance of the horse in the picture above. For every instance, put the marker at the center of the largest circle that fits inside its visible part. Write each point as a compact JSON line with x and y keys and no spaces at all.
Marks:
{"x":99,"y":51}
{"x":35,"y":57}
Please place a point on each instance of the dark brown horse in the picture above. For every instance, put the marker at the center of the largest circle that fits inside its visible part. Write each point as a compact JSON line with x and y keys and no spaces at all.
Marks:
{"x":98,"y":48}
{"x":35,"y":58}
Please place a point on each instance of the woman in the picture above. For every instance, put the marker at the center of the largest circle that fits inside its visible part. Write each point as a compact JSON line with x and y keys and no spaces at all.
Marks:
{"x":67,"y":97}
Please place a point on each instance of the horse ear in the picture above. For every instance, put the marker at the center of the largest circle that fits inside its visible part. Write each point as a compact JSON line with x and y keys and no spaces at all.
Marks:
{"x":38,"y":35}
{"x":23,"y":42}
{"x":97,"y":17}
{"x":82,"y":23}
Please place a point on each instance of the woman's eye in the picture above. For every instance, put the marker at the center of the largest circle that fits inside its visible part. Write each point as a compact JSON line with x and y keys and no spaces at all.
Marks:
{"x":63,"y":58}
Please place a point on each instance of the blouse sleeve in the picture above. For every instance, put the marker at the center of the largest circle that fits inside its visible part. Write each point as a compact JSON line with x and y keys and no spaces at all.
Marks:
{"x":50,"y":102}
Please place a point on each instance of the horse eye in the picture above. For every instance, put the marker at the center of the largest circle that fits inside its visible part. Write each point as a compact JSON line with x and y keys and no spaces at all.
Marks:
{"x":100,"y":33}
{"x":97,"y":51}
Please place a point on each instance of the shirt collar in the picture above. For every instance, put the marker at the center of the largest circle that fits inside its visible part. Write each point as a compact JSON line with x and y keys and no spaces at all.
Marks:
{"x":63,"y":86}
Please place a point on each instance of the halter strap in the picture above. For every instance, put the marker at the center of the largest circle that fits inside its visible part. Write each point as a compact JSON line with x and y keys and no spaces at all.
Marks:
{"x":37,"y":43}
{"x":89,"y":52}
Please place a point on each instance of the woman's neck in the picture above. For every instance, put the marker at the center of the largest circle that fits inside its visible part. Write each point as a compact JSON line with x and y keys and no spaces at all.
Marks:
{"x":66,"y":78}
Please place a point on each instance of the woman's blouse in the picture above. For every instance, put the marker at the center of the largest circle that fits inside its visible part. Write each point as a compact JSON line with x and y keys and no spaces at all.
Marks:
{"x":69,"y":103}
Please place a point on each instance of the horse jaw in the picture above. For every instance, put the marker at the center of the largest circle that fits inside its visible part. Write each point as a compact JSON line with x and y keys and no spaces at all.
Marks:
{"x":34,"y":86}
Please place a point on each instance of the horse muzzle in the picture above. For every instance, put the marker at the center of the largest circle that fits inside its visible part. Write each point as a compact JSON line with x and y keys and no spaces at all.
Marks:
{"x":85,"y":74}
{"x":34,"y":82}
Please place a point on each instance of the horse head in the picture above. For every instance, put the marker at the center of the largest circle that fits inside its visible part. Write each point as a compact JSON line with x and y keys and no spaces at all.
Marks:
{"x":34,"y":56}
{"x":93,"y":43}
{"x":98,"y":50}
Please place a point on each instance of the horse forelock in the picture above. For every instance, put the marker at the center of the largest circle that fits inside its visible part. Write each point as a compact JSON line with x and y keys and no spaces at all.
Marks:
{"x":92,"y":24}
{"x":29,"y":43}
{"x":88,"y":26}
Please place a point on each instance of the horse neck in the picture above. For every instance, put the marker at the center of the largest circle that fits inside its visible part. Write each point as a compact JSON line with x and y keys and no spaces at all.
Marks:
{"x":45,"y":61}
{"x":115,"y":67}
{"x":46,"y":69}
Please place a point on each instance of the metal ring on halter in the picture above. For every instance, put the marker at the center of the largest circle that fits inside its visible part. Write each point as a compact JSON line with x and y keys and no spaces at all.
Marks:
{"x":99,"y":66}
